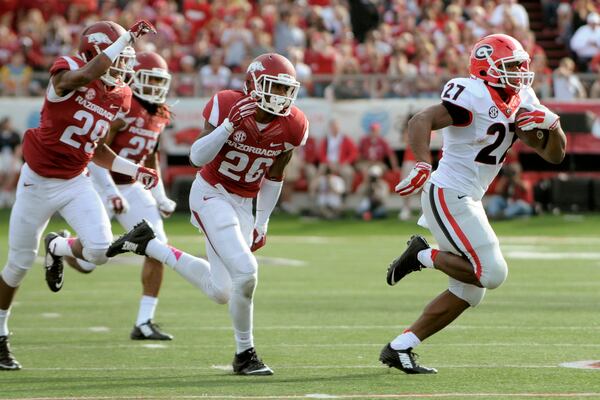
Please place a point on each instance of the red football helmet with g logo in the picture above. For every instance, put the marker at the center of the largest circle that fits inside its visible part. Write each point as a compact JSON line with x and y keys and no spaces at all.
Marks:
{"x":151,"y":80}
{"x":492,"y":55}
{"x":97,"y":37}
{"x":263,"y":73}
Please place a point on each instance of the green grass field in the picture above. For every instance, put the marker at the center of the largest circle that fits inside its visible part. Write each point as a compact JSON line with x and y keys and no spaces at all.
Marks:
{"x":320,"y":322}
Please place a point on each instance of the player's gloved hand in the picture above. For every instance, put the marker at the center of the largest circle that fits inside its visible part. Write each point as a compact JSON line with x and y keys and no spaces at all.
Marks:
{"x":166,"y":206}
{"x":415,"y":179}
{"x":259,"y":237}
{"x":147,"y":176}
{"x":140,"y":28}
{"x":537,"y":116}
{"x":117,"y":203}
{"x":245,"y":107}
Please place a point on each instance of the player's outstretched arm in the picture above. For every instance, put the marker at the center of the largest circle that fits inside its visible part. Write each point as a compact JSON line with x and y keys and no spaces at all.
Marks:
{"x":419,"y":138}
{"x":66,"y":80}
{"x":166,"y":206}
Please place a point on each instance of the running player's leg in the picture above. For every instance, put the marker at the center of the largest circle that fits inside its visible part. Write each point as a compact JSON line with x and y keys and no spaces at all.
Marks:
{"x":28,"y":219}
{"x":152,"y":270}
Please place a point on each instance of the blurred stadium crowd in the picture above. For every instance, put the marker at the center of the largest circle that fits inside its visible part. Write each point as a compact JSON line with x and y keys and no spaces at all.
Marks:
{"x":341,"y":48}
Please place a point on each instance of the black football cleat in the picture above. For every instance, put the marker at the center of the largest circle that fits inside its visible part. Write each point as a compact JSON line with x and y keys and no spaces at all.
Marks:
{"x":408,"y":261}
{"x":404,"y":360}
{"x":134,"y":241}
{"x":55,"y":277}
{"x":149,"y":331}
{"x":7,"y":361}
{"x":248,"y":363}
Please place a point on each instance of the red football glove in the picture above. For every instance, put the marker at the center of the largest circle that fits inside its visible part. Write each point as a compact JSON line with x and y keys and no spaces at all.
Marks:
{"x":415,"y":180}
{"x":118,"y":204}
{"x":537,"y":116}
{"x":147,"y":176}
{"x":140,"y":28}
{"x":259,"y":238}
{"x":245,"y":107}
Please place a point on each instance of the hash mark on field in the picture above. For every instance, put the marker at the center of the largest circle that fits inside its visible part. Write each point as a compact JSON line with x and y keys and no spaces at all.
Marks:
{"x":51,"y":315}
{"x":99,"y":329}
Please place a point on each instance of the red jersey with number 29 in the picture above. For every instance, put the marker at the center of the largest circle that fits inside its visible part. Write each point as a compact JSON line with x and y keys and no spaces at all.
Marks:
{"x":139,"y":138}
{"x":71,"y":125}
{"x":245,"y":157}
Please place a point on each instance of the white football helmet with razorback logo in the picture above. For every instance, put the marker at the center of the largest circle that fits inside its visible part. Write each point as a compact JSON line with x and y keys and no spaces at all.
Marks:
{"x":151,"y":80}
{"x":490,"y":57}
{"x":97,"y":37}
{"x":266,"y":71}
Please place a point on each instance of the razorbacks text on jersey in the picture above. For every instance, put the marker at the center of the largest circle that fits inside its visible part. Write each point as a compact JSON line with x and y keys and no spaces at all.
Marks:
{"x":138,"y":138}
{"x":71,"y":125}
{"x":473,"y":153}
{"x":243,"y":160}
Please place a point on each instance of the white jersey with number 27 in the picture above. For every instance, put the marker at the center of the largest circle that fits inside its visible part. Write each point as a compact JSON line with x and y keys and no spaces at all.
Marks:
{"x":473,"y":153}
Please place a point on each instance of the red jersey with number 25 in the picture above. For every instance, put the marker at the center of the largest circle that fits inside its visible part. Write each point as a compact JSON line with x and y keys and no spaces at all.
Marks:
{"x":71,"y":125}
{"x":245,"y":157}
{"x":139,"y":138}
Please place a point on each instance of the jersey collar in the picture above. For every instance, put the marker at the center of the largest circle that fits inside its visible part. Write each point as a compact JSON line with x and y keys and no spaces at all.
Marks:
{"x":507,"y":108}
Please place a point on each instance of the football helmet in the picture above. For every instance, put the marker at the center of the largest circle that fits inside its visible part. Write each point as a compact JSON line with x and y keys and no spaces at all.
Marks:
{"x":151,"y":79}
{"x":262,"y":74}
{"x":490,"y":58}
{"x":97,"y":37}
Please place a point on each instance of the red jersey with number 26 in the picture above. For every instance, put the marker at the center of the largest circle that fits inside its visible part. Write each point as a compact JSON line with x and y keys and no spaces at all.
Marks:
{"x":245,"y":157}
{"x":139,"y":138}
{"x":71,"y":125}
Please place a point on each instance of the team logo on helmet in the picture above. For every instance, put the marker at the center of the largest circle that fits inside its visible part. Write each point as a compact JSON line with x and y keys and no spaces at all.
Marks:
{"x":483,"y":52}
{"x":139,"y":122}
{"x":493,"y":112}
{"x":256,"y":66}
{"x":239,"y":136}
{"x":98,"y":38}
{"x":90,"y":94}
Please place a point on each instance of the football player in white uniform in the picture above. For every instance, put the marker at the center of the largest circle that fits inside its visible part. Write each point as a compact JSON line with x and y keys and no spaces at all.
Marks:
{"x":478,"y":115}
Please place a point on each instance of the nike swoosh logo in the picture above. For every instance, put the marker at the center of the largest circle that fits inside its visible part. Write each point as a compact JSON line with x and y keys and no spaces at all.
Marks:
{"x":461,"y":197}
{"x":274,"y":144}
{"x":27,"y":184}
{"x":208,"y":198}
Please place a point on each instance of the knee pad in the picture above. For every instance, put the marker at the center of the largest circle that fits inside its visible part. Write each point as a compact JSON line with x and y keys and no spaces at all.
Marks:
{"x":245,"y":284}
{"x":494,"y":275}
{"x":470,"y":293}
{"x":243,"y":263}
{"x":13,"y":274}
{"x":95,"y":256}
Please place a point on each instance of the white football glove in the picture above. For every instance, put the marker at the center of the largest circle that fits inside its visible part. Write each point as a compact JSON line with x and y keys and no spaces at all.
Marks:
{"x":166,"y":207}
{"x":415,"y":179}
{"x":537,"y":116}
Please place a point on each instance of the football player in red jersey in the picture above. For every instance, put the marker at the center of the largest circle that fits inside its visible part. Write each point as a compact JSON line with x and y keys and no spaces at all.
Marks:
{"x":247,"y":141}
{"x":83,"y":96}
{"x":135,"y":137}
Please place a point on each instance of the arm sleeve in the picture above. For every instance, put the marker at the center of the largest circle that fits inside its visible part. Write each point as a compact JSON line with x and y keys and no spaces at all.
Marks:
{"x":102,"y":177}
{"x":267,"y":199}
{"x":205,"y":149}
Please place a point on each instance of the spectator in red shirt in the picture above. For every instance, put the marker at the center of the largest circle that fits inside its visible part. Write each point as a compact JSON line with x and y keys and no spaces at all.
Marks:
{"x":338,"y":152}
{"x":373,"y":149}
{"x":513,"y":196}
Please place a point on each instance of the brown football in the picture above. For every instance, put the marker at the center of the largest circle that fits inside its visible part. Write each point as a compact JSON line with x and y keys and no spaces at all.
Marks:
{"x":536,"y":138}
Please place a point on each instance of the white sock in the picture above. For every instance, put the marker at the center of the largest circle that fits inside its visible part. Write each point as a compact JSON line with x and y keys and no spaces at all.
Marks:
{"x":163,"y":252}
{"x":4,"y":322}
{"x":243,"y":341}
{"x":241,"y":309}
{"x":427,"y":257}
{"x":59,"y":246}
{"x":147,"y":308}
{"x":407,"y":340}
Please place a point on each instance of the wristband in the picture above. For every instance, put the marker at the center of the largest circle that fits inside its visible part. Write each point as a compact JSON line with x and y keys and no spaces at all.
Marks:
{"x":114,"y":50}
